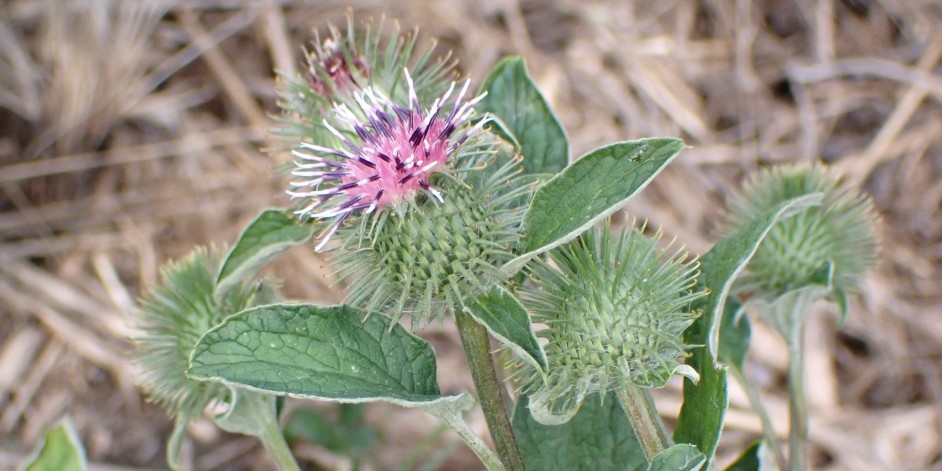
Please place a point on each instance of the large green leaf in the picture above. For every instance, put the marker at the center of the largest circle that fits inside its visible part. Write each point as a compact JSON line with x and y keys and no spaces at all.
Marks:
{"x":507,"y":320}
{"x":269,"y":234}
{"x":680,"y":457}
{"x":320,"y":352}
{"x":598,"y":438}
{"x":589,"y":190}
{"x":59,"y":450}
{"x":701,"y":416}
{"x":328,"y":352}
{"x":517,"y":102}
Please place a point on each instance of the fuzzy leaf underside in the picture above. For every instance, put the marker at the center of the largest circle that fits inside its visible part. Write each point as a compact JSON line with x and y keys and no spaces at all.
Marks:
{"x":508,"y":321}
{"x":523,"y":112}
{"x":330,"y":353}
{"x":680,"y":457}
{"x":701,"y":417}
{"x":59,"y":450}
{"x":598,"y":438}
{"x":269,"y":234}
{"x":735,"y":335}
{"x":587,"y":191}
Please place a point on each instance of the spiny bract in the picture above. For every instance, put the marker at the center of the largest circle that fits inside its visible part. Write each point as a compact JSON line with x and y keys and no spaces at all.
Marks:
{"x":615,"y":308}
{"x":837,"y":237}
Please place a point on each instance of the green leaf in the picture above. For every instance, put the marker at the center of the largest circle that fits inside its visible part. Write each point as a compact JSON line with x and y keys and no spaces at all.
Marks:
{"x":331,"y":353}
{"x":598,"y":438}
{"x":517,"y":102}
{"x":701,"y":416}
{"x":680,"y":457}
{"x":346,"y":435}
{"x":270,"y":234}
{"x":589,"y":190}
{"x":507,"y":320}
{"x":59,"y":450}
{"x":735,"y":335}
{"x":748,"y":461}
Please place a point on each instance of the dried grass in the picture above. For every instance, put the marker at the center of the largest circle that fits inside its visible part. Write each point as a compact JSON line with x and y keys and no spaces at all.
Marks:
{"x":131,"y":133}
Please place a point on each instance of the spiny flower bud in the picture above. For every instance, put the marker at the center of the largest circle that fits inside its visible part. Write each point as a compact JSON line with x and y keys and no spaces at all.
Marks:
{"x":351,"y":60}
{"x":615,"y":308}
{"x":333,"y":69}
{"x":386,"y":154}
{"x":173,"y":316}
{"x":430,"y":255}
{"x":826,"y":248}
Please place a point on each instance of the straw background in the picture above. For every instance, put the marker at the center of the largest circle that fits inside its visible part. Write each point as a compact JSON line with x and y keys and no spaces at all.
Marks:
{"x":132,"y":131}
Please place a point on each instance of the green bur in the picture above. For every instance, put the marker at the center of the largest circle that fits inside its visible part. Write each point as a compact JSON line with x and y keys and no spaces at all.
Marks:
{"x":615,"y":308}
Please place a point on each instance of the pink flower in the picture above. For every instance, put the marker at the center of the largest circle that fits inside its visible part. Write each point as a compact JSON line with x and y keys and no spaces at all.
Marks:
{"x":388,"y":154}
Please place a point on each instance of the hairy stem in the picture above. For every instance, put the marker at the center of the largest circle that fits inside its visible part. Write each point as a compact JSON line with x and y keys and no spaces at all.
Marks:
{"x":757,"y":405}
{"x":478,"y":350}
{"x":274,"y":442}
{"x":650,"y":429}
{"x":797,"y":409}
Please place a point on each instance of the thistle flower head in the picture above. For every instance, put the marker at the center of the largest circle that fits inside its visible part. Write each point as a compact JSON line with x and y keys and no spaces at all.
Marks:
{"x":387,"y":153}
{"x":615,"y":308}
{"x":442,"y":247}
{"x":173,"y":316}
{"x":834,"y":243}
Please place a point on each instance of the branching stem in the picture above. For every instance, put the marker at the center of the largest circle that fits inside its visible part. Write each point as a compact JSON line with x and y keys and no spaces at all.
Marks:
{"x":478,"y":350}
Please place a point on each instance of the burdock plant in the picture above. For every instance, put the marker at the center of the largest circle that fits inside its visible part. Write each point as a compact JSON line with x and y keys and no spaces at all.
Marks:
{"x":821,"y":253}
{"x":436,"y":200}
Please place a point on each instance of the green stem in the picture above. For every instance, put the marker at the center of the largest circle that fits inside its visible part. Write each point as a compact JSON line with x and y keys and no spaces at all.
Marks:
{"x":274,"y":442}
{"x":254,"y":413}
{"x":797,"y":409}
{"x":759,"y":407}
{"x":650,"y":429}
{"x":453,"y":420}
{"x":477,"y":347}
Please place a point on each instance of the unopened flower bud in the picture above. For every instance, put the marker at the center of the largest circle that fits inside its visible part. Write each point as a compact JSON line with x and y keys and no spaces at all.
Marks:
{"x":173,"y":316}
{"x":615,"y":307}
{"x":821,"y":252}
